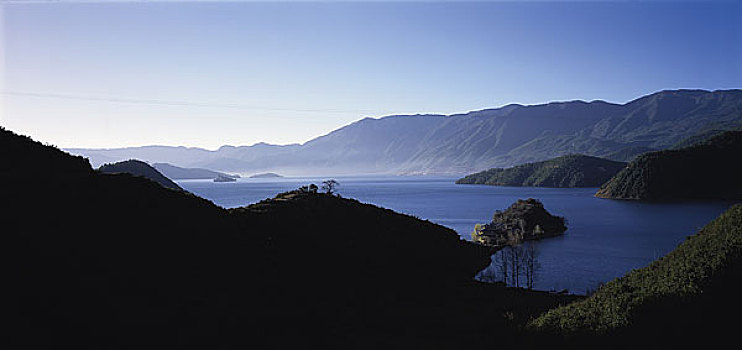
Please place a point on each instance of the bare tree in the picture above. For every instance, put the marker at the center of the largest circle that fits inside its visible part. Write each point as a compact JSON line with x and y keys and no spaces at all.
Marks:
{"x":515,"y":265}
{"x":530,"y":263}
{"x":329,"y":186}
{"x":504,"y":263}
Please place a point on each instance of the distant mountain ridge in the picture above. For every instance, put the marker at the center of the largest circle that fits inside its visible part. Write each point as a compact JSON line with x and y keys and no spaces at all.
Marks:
{"x":573,"y":170}
{"x":474,"y":141}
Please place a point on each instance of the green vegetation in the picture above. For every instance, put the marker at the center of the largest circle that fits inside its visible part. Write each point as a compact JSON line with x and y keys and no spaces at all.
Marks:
{"x":677,"y":293}
{"x":574,"y":170}
{"x":707,"y":170}
{"x":139,"y":168}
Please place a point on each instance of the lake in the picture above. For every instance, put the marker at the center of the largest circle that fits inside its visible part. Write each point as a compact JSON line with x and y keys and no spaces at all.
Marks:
{"x":605,"y":238}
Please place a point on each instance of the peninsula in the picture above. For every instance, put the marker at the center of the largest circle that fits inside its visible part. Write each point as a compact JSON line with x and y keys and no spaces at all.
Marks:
{"x":574,"y":170}
{"x":706,"y":170}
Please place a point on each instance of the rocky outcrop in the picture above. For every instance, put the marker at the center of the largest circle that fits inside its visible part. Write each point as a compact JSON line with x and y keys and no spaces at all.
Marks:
{"x":223,"y":178}
{"x":523,"y":220}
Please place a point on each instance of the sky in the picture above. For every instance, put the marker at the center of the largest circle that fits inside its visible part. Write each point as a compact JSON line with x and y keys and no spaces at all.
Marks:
{"x":206,"y":74}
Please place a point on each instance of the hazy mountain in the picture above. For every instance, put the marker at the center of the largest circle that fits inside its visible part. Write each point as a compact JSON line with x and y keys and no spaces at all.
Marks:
{"x":573,"y":170}
{"x":139,"y":168}
{"x":265,"y":176}
{"x":178,"y":173}
{"x":465,"y":143}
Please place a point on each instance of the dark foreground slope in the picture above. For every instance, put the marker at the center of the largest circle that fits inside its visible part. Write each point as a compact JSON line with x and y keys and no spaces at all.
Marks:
{"x":708,"y":170}
{"x":139,"y":168}
{"x":689,"y":297}
{"x":574,"y":170}
{"x":117,"y":261}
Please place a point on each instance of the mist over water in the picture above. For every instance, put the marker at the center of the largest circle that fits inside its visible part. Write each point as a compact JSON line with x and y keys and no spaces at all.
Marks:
{"x":605,"y":238}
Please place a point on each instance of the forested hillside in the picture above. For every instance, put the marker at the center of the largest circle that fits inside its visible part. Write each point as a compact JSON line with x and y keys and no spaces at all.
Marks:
{"x":710,"y":169}
{"x":683,"y":299}
{"x":568,"y":171}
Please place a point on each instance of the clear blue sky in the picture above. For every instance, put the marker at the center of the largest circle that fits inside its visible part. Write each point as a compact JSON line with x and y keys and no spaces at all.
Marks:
{"x":208,"y":74}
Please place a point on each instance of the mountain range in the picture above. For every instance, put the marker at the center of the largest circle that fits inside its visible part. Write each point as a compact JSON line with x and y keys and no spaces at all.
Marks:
{"x":470,"y":142}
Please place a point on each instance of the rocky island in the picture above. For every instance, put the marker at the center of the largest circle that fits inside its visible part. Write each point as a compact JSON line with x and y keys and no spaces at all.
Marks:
{"x":523,"y":220}
{"x":222,"y":178}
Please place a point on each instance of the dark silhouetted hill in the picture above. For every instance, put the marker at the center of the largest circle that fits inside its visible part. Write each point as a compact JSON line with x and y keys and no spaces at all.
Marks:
{"x":23,"y":156}
{"x":474,"y":141}
{"x":568,"y":171}
{"x":97,"y":260}
{"x":139,"y":168}
{"x":710,"y":169}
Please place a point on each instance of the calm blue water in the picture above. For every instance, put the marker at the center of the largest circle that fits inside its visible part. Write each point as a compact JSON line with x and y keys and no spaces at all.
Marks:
{"x":605,"y":238}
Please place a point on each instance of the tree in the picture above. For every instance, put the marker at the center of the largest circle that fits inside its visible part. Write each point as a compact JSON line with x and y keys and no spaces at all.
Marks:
{"x":515,"y":255}
{"x":477,"y":233}
{"x":312,"y":188}
{"x":329,"y":186}
{"x":530,"y":263}
{"x":504,"y":263}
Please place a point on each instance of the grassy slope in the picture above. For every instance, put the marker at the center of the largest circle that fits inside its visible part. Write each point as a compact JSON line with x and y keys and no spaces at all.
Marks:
{"x":675,"y":299}
{"x":566,"y":171}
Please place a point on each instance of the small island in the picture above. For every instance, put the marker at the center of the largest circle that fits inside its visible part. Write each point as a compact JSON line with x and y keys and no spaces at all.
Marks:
{"x":523,"y":220}
{"x":222,"y":178}
{"x":264,"y":176}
